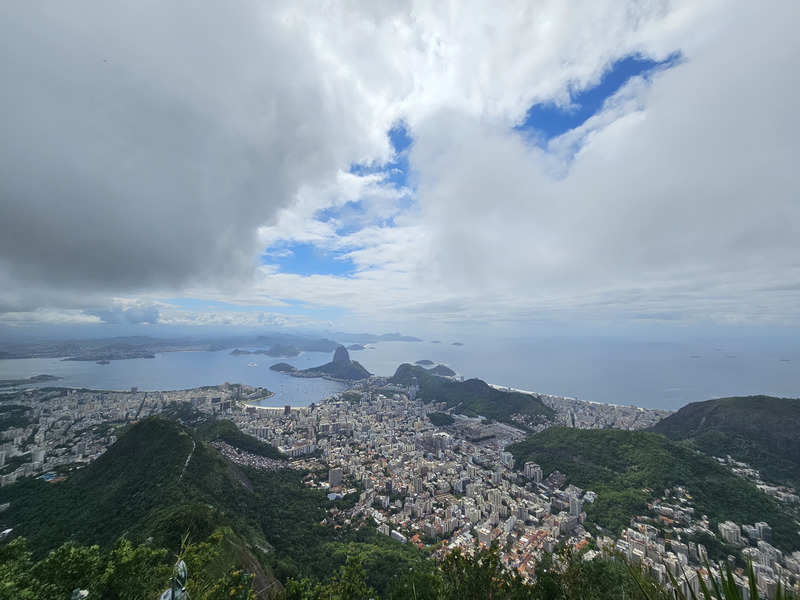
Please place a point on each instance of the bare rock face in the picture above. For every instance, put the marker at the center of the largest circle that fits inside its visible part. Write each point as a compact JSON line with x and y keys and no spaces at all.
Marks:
{"x":341,"y":355}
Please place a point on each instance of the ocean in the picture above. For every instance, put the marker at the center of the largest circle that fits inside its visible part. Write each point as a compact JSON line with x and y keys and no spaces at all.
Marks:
{"x":654,"y":374}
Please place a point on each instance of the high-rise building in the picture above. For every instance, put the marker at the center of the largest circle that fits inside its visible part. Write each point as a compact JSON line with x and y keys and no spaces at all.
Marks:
{"x":533,"y":471}
{"x":730,"y":532}
{"x":507,"y":459}
{"x":575,"y":506}
{"x":335,"y":477}
{"x":764,"y":531}
{"x":412,"y":391}
{"x":485,"y":536}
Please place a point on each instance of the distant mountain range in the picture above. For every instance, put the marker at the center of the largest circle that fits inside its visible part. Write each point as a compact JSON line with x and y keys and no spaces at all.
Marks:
{"x":118,"y":348}
{"x":278,"y":351}
{"x":363,"y":338}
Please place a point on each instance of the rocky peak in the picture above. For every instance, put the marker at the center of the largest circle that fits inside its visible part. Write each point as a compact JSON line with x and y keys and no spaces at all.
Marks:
{"x":341,"y":355}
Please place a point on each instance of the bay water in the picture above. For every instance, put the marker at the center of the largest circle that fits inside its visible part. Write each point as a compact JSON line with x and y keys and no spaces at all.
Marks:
{"x":653,"y":374}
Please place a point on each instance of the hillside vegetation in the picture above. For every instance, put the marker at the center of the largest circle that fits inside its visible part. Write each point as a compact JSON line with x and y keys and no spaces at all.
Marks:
{"x":144,"y":487}
{"x":474,"y":397}
{"x":622,"y":465}
{"x":116,"y":526}
{"x":226,"y":431}
{"x":759,"y":430}
{"x":140,"y":573}
{"x":441,"y":419}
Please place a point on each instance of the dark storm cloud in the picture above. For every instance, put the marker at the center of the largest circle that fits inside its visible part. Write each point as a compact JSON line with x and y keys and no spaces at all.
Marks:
{"x":143,"y":146}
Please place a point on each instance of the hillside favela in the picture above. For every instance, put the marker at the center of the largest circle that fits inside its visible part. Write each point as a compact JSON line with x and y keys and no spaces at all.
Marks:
{"x":409,"y":300}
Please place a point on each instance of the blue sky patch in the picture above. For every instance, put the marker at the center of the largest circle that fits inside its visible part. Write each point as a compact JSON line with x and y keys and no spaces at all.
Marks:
{"x":398,"y":136}
{"x":396,"y":172}
{"x":550,"y":121}
{"x":347,"y":217}
{"x":307,"y":259}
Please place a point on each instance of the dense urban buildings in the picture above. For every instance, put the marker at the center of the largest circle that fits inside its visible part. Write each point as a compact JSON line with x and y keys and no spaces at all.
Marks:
{"x":418,"y":483}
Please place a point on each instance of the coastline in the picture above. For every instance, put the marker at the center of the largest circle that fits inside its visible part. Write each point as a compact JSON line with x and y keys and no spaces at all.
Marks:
{"x":587,"y":414}
{"x":664,"y":378}
{"x":505,"y":388}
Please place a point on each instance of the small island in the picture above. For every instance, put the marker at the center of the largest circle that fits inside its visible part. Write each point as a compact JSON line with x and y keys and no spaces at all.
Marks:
{"x":281,"y":351}
{"x":282,"y":367}
{"x":424,"y":362}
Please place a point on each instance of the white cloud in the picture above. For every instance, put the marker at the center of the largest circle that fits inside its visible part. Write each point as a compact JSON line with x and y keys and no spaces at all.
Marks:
{"x":47,"y":316}
{"x":244,"y":319}
{"x":686,"y":182}
{"x":158,"y":151}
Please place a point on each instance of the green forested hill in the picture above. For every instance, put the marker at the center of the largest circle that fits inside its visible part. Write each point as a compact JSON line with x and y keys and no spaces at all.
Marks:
{"x":269,"y":523}
{"x":620,"y":465}
{"x":226,"y":431}
{"x":404,"y":374}
{"x":473,"y":397}
{"x":145,"y":488}
{"x":138,"y":489}
{"x":760,"y":430}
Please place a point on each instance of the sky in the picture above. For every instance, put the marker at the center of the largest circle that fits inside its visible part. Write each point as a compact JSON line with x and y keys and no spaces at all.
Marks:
{"x":427,"y":167}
